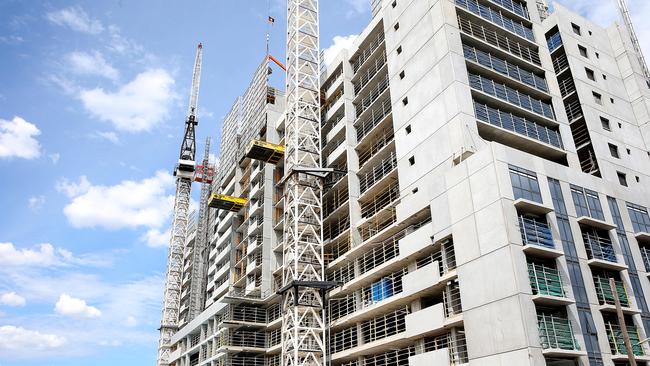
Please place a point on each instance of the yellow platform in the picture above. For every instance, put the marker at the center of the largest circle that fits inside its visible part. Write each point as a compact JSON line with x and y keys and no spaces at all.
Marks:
{"x":265,"y":151}
{"x":227,"y":203}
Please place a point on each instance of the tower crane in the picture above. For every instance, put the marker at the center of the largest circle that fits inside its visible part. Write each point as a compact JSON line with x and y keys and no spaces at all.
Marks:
{"x":304,"y":290}
{"x":184,"y":173}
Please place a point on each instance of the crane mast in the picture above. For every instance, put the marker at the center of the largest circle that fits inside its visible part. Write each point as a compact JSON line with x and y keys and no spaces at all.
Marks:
{"x":627,"y":20}
{"x":303,"y":275}
{"x":184,"y":173}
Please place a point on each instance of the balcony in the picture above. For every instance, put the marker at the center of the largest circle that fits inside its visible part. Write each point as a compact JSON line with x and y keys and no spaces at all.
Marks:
{"x":513,"y":6}
{"x":554,"y":41}
{"x":600,"y":250}
{"x":546,"y":284}
{"x":504,"y":67}
{"x":537,"y":237}
{"x":606,"y":295}
{"x":512,"y":96}
{"x":645,"y":254}
{"x":368,"y":52}
{"x":365,"y":103}
{"x":497,"y":18}
{"x":500,"y":41}
{"x":518,"y":132}
{"x":370,"y":73}
{"x":376,"y":116}
{"x":616,"y":343}
{"x":378,"y":172}
{"x":556,"y":336}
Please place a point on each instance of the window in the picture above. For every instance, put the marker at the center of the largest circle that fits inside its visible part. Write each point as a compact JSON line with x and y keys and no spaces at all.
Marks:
{"x":597,"y":54}
{"x":597,"y":98}
{"x":576,"y":29}
{"x":394,"y":4}
{"x":412,"y":160}
{"x":408,"y":129}
{"x":524,"y":184}
{"x":611,"y":100}
{"x":405,"y":101}
{"x":589,"y":32}
{"x":639,"y":217}
{"x":590,"y":74}
{"x":629,"y":152}
{"x":399,"y":50}
{"x":587,"y":203}
{"x":622,"y":178}
{"x":604,"y":77}
{"x":396,"y":27}
{"x":605,"y":123}
{"x":613,"y":150}
{"x":583,"y":51}
{"x":402,"y":74}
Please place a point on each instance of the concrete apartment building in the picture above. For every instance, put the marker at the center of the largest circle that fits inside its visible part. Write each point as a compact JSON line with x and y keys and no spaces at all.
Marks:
{"x":496,"y":173}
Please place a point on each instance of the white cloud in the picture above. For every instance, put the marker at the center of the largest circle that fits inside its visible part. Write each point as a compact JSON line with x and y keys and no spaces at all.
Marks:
{"x":339,"y":43}
{"x":12,"y":299}
{"x":92,"y":64}
{"x":129,"y":204}
{"x":54,"y":157}
{"x":72,"y":189}
{"x":11,"y":40}
{"x":21,"y":340}
{"x":42,"y":255}
{"x":17,"y":139}
{"x":122,"y":45}
{"x":155,"y":238}
{"x":68,"y":305}
{"x":137,"y":106}
{"x":76,"y":19}
{"x":109,"y":136}
{"x":36,"y":203}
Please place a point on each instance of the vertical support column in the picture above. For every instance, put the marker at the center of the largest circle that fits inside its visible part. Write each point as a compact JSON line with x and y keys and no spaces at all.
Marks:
{"x":171,"y":302}
{"x":303,"y":322}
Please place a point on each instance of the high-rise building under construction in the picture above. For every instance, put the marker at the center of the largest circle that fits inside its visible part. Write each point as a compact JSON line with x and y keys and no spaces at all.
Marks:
{"x":492,"y":174}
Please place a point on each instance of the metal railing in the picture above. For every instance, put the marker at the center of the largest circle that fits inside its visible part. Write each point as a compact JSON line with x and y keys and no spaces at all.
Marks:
{"x":645,"y":254}
{"x":567,"y":87}
{"x":599,"y":247}
{"x":382,"y":200}
{"x":366,"y":102}
{"x":496,"y":17}
{"x":554,"y":41}
{"x":545,"y":279}
{"x":514,"y":6}
{"x":556,"y":332}
{"x":376,"y":115}
{"x":616,"y":342}
{"x":535,"y":231}
{"x":379,"y":171}
{"x":508,"y":94}
{"x":370,"y":73}
{"x":367,"y":52}
{"x":573,"y":109}
{"x":378,"y":143}
{"x":454,"y":341}
{"x":560,"y":62}
{"x":520,"y":125}
{"x":606,"y":295}
{"x":504,"y":67}
{"x":494,"y":38}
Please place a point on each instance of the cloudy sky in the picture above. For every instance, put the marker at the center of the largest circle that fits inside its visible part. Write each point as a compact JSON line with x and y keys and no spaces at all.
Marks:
{"x":92,"y":102}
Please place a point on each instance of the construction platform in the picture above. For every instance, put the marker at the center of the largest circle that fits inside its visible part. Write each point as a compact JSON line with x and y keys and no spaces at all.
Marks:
{"x":265,"y":151}
{"x":228,"y":203}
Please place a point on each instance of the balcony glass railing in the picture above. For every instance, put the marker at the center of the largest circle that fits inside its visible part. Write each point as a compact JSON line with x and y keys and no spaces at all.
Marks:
{"x":517,"y":124}
{"x":508,"y":94}
{"x":556,"y":332}
{"x":545,"y":280}
{"x":606,"y":295}
{"x":536,"y":232}
{"x":504,"y":67}
{"x":496,"y":17}
{"x":599,"y":248}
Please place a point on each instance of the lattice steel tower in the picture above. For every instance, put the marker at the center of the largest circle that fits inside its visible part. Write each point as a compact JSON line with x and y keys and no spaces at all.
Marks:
{"x":184,"y":173}
{"x":303,"y":277}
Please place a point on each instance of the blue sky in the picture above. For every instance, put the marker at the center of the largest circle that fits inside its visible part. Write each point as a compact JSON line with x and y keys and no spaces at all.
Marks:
{"x":93,"y":97}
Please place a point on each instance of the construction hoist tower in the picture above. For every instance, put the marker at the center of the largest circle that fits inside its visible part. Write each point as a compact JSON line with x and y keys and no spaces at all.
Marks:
{"x":205,"y":176}
{"x":627,"y":20}
{"x":303,"y":274}
{"x":184,"y":173}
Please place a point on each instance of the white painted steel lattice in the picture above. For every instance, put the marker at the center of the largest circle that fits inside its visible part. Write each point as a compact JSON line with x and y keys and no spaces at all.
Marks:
{"x":303,"y":325}
{"x":184,"y":173}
